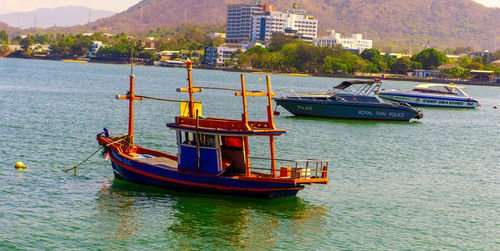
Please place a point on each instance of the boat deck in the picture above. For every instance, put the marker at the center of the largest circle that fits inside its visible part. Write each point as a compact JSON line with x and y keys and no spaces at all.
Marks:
{"x":161,"y":161}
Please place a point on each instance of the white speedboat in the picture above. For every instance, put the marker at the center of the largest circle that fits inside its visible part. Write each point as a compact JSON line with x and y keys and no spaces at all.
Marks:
{"x":437,"y":95}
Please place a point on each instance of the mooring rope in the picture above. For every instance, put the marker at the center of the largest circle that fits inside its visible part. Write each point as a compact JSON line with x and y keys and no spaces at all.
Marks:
{"x":100,"y":148}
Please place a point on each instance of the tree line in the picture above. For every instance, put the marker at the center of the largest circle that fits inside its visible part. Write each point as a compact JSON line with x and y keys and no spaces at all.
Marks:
{"x":183,"y":37}
{"x":283,"y":54}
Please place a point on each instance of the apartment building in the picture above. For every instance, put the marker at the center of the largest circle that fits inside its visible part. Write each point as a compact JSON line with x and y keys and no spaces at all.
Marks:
{"x":355,"y":42}
{"x":239,"y":20}
{"x":265,"y":24}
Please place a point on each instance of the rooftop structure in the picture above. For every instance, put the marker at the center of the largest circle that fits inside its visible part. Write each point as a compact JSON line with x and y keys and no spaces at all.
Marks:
{"x":356,"y":41}
{"x":265,"y":24}
{"x":258,"y":22}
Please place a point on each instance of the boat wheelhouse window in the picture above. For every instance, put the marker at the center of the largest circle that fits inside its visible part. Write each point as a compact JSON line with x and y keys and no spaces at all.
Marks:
{"x":207,"y":140}
{"x":188,"y":138}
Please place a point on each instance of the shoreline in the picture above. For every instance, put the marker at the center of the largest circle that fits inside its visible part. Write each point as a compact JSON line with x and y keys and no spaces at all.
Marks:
{"x":420,"y":80}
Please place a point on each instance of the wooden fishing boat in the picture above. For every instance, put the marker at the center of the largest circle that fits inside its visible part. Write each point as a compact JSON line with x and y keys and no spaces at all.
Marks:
{"x":213,"y":153}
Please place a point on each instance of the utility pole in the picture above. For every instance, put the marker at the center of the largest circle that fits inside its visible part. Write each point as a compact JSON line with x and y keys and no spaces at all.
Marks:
{"x":141,"y":11}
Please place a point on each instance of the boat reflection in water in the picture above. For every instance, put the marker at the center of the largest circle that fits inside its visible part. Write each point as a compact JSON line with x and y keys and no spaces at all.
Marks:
{"x":353,"y":99}
{"x":188,"y":220}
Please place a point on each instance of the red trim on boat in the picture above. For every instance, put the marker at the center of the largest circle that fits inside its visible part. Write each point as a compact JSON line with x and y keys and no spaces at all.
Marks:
{"x":198,"y":184}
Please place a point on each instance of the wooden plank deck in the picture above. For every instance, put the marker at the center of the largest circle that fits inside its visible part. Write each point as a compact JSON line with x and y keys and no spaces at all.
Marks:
{"x":161,"y":161}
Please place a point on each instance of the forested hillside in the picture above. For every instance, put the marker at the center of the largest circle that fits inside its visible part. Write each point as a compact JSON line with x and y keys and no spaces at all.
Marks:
{"x":398,"y":23}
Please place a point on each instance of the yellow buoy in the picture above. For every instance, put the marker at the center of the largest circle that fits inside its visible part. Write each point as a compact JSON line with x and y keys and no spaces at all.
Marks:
{"x":20,"y":166}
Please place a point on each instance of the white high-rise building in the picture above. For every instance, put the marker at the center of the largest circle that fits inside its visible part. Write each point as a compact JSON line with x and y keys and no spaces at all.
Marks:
{"x":355,"y":42}
{"x":258,"y":22}
{"x":265,"y":24}
{"x":239,"y":20}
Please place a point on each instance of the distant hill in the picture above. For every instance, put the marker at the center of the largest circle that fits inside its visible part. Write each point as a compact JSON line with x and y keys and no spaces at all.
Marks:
{"x":44,"y":18}
{"x":407,"y":24}
{"x":151,"y":14}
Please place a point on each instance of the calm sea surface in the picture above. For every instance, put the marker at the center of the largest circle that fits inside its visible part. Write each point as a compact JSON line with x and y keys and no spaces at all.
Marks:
{"x":430,"y":184}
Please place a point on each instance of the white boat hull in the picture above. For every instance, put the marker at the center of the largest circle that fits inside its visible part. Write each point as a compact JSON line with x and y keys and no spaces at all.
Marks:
{"x":419,"y":99}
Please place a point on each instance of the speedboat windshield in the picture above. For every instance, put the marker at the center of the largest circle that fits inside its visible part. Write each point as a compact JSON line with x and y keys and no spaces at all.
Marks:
{"x":357,"y":87}
{"x":441,"y":89}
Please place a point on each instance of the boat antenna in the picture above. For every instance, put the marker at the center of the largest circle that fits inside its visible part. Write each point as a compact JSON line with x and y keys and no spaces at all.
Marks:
{"x":132,"y":57}
{"x":189,"y":67}
{"x":129,"y":142}
{"x":131,"y":98}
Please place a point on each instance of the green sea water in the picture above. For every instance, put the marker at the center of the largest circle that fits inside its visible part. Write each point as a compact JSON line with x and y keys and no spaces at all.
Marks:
{"x":430,"y":184}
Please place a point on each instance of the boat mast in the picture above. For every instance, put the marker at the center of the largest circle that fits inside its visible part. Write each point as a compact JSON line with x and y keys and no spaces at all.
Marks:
{"x":131,"y":97}
{"x":244,"y":118}
{"x":189,"y":67}
{"x":270,"y":119}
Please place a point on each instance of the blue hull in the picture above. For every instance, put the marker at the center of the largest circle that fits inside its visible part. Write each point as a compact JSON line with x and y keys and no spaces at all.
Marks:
{"x":348,"y":110}
{"x":171,"y":177}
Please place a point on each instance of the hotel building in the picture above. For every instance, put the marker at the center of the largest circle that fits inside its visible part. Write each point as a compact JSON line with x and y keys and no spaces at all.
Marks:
{"x":355,"y":42}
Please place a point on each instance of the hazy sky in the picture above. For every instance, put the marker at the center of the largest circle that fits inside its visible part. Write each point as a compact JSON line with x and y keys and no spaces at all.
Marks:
{"x":7,"y":6}
{"x":489,"y":3}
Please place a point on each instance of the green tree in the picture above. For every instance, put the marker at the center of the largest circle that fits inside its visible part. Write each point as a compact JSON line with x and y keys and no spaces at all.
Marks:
{"x":430,"y":58}
{"x":41,"y":39}
{"x":372,"y":55}
{"x":486,"y":59}
{"x":477,"y":59}
{"x":386,"y":63}
{"x":278,"y":41}
{"x":4,"y":38}
{"x":194,"y":46}
{"x":464,"y":61}
{"x":336,"y":65}
{"x":475,"y":66}
{"x":371,"y":68}
{"x":416,"y":65}
{"x":25,"y":43}
{"x":456,"y":72}
{"x":401,"y":66}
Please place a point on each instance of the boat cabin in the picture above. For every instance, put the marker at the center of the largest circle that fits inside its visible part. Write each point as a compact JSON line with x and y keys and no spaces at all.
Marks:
{"x":440,"y":89}
{"x":218,"y":154}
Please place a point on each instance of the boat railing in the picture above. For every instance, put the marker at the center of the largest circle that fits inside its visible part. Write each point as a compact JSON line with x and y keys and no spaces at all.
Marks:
{"x":292,"y":169}
{"x":361,"y":89}
{"x":300,"y":95}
